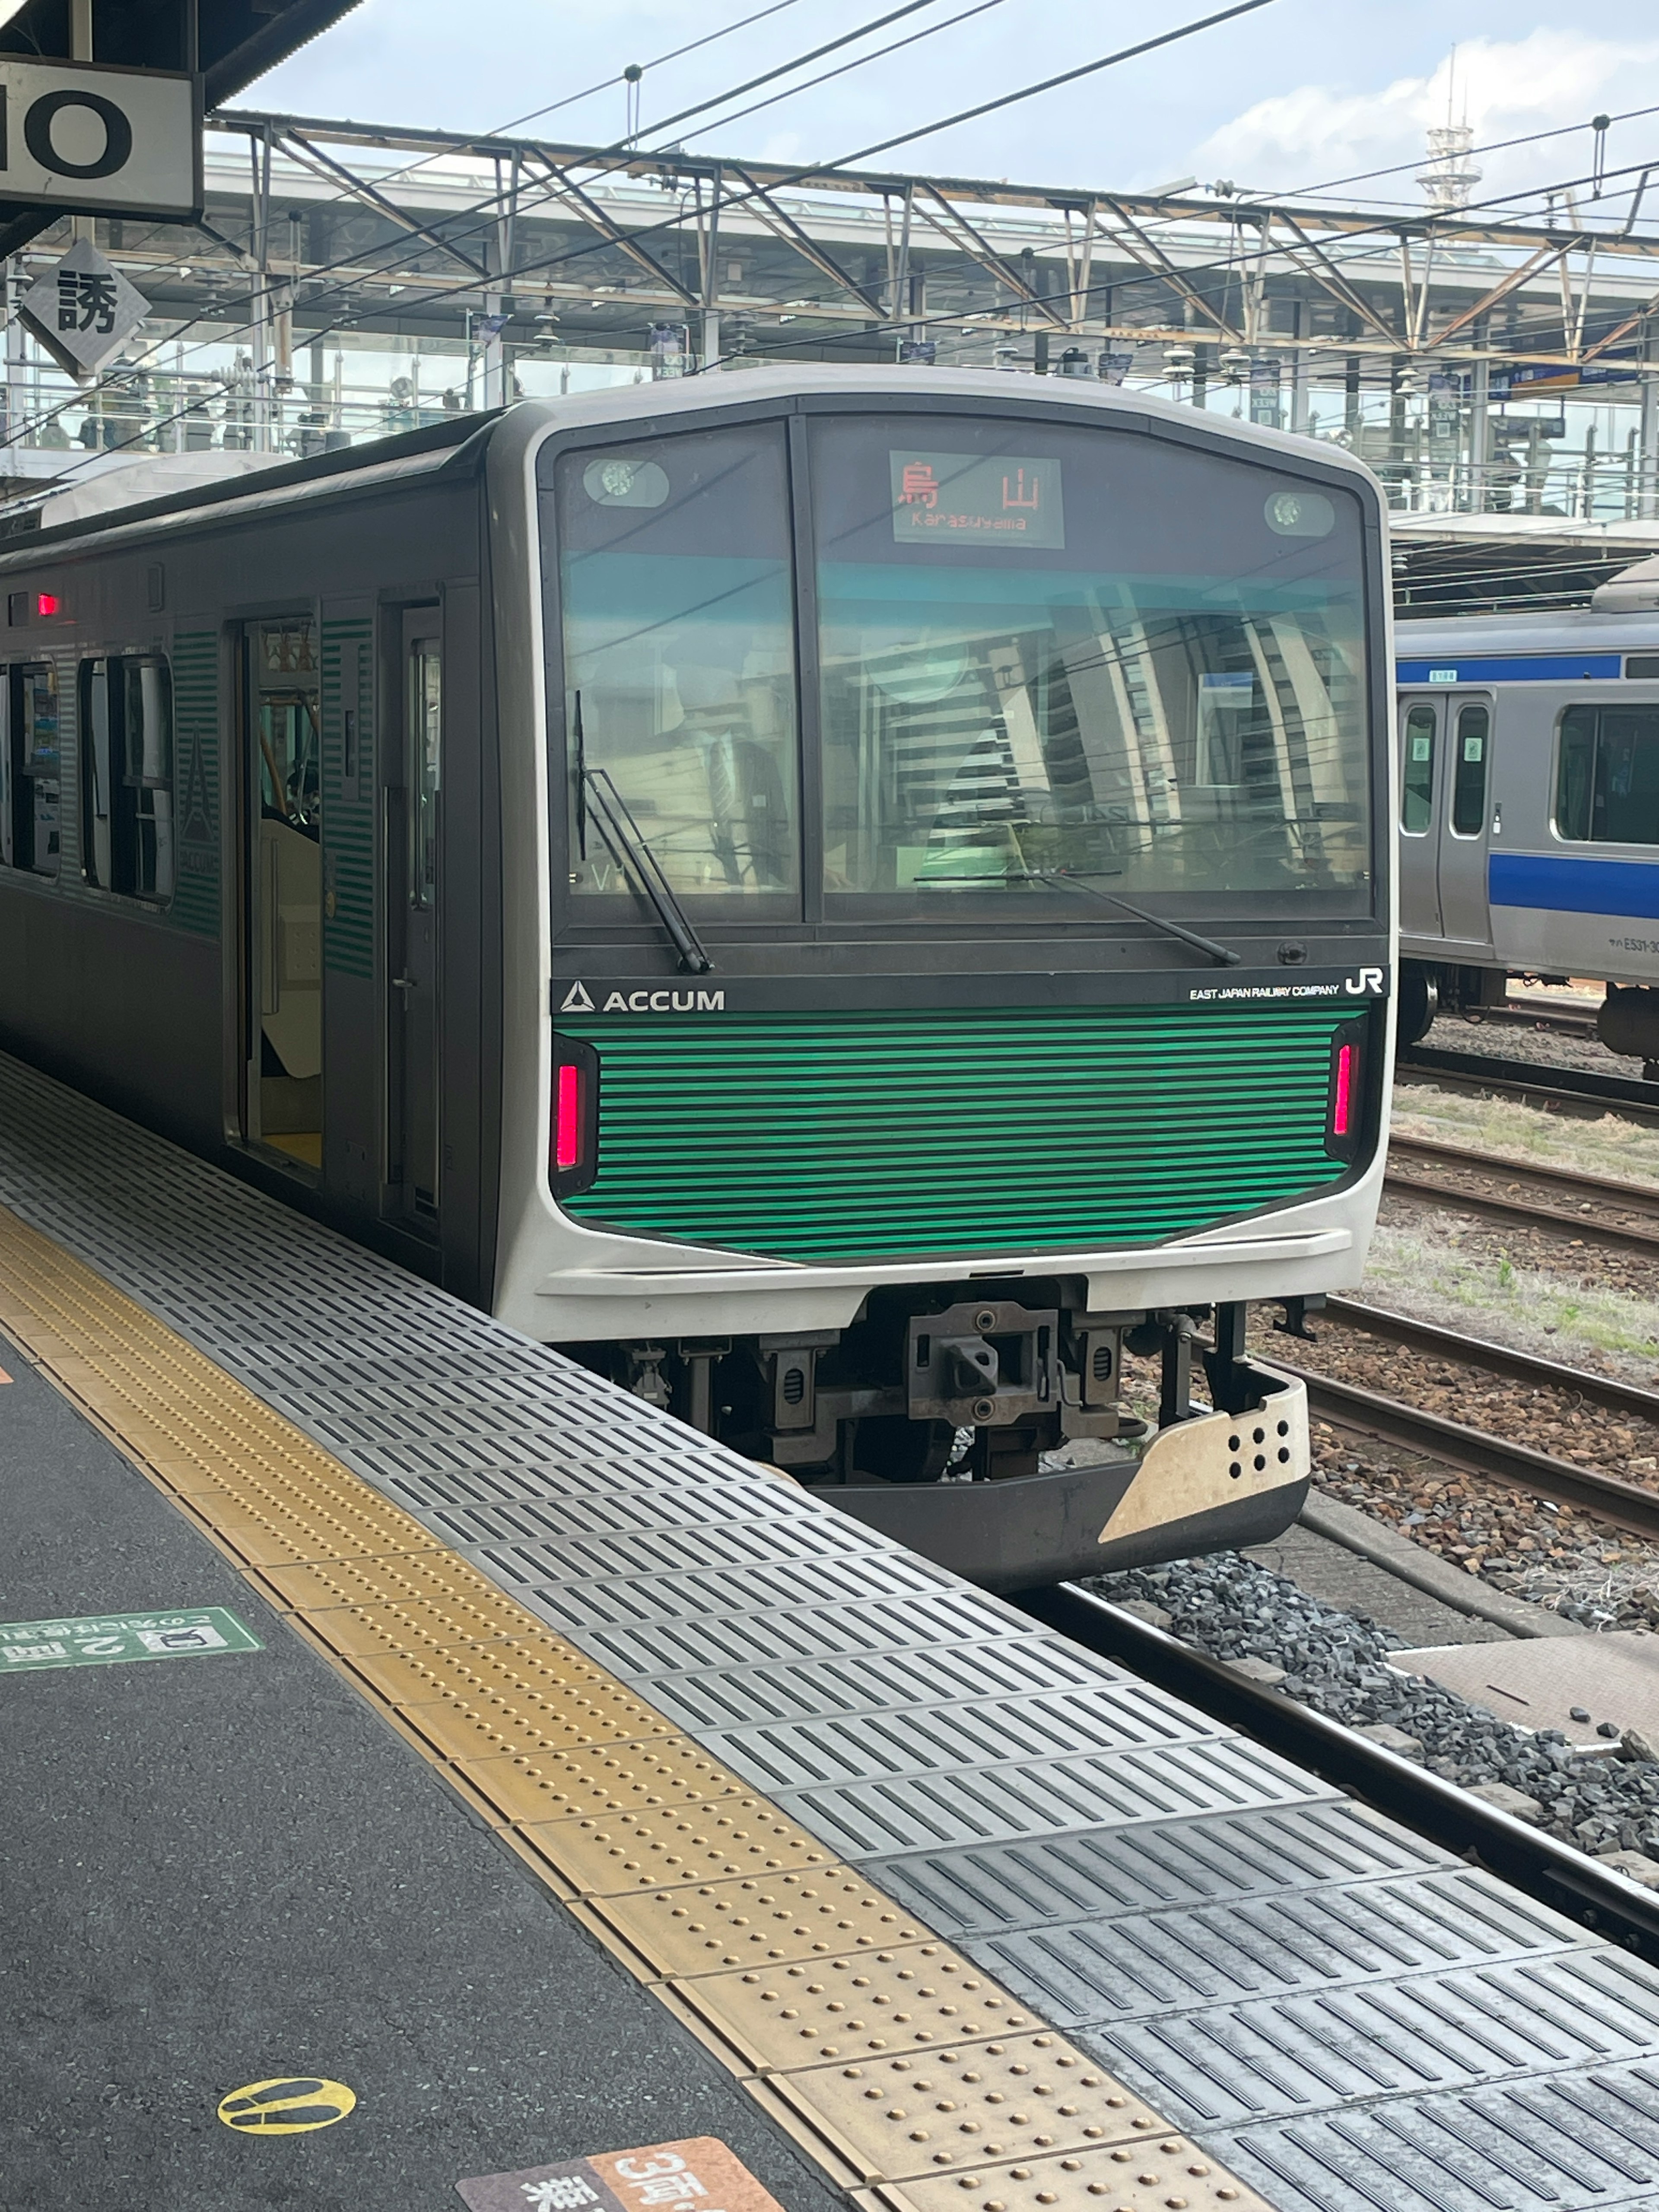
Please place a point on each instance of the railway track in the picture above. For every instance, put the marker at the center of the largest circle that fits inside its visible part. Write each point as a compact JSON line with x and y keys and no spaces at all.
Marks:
{"x":1560,"y":1089}
{"x":1556,"y":1872}
{"x":1475,"y":1451}
{"x":1566,"y":1019}
{"x":1639,"y":1233}
{"x":1604,"y":1390}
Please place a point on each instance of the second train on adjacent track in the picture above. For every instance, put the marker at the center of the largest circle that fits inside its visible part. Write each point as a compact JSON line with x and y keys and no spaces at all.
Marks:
{"x":1529,"y":808}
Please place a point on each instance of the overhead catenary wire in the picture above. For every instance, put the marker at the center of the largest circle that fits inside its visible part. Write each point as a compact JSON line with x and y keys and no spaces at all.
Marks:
{"x":1350,"y":251}
{"x":750,"y":192}
{"x":548,"y":261}
{"x":623,"y":152}
{"x":1122,"y":54}
{"x":491,"y":202}
{"x":1338,"y":256}
{"x":791,"y":91}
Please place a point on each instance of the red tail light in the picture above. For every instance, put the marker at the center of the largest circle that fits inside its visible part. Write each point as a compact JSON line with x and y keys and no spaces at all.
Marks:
{"x":572,"y":1147}
{"x":1342,"y":1100}
{"x":567,"y":1116}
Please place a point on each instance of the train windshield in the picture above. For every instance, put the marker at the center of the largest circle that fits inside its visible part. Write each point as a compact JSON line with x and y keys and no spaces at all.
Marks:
{"x":1048,"y":653}
{"x":679,"y":665}
{"x":1050,"y":659}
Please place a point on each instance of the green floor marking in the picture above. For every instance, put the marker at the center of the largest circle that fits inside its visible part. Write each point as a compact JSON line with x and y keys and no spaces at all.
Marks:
{"x":106,"y":1640}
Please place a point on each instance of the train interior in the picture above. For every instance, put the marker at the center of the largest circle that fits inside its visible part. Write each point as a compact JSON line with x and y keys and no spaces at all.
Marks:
{"x":285,"y":907}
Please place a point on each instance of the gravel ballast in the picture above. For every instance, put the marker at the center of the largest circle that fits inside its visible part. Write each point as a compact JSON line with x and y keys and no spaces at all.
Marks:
{"x":1337,"y":1663}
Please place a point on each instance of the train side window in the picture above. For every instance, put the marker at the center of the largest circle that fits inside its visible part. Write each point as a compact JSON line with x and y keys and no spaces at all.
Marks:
{"x":1468,"y":811}
{"x":126,"y":777}
{"x":1607,"y":781}
{"x":30,"y":784}
{"x":1417,"y":773}
{"x":97,"y":826}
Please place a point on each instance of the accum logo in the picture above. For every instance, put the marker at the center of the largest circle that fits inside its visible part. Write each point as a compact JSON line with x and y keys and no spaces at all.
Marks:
{"x":577,"y":1001}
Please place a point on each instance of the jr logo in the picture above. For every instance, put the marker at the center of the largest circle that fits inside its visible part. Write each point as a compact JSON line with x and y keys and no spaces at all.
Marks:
{"x":1367,"y":984}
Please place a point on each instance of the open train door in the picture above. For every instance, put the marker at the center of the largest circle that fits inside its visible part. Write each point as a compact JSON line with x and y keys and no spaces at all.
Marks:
{"x":281,"y":777}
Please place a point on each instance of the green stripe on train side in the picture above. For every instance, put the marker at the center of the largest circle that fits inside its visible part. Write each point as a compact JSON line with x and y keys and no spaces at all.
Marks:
{"x":348,"y":822}
{"x":890,"y":1136}
{"x":197,"y":891}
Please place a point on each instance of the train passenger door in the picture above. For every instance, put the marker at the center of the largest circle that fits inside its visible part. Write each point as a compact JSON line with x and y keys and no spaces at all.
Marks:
{"x":1465,"y":821}
{"x":1419,"y":809}
{"x":282,"y":776}
{"x":414,"y":881}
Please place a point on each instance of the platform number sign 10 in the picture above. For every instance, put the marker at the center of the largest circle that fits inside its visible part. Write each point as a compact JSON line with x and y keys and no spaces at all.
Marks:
{"x":93,"y":140}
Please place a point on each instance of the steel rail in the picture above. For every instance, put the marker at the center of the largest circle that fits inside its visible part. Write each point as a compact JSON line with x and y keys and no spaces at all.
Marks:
{"x":1557,"y":1874}
{"x":1572,"y":1182}
{"x":1623,"y":1505}
{"x":1577,"y":1089}
{"x":1424,"y":1336}
{"x":1542,"y":1018}
{"x":1518,"y":1213}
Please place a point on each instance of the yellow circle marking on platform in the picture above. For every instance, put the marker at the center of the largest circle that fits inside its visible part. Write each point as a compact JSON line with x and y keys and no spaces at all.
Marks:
{"x":292,"y":2104}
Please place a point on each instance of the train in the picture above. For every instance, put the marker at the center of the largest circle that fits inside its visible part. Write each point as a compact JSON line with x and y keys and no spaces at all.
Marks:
{"x":1529,"y":808}
{"x":855,"y":902}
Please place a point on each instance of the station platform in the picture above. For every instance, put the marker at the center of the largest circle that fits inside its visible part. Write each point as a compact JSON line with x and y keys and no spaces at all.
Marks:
{"x":560,"y":1784}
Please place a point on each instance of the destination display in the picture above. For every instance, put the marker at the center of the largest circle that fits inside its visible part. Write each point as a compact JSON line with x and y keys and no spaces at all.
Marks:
{"x":1012,"y":499}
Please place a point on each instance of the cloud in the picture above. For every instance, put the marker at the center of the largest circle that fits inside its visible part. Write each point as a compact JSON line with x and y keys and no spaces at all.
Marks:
{"x":1503,"y":87}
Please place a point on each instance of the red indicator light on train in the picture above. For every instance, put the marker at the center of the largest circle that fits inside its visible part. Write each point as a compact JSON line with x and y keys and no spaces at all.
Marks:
{"x":567,"y":1118}
{"x":47,"y":603}
{"x":1342,"y":1105}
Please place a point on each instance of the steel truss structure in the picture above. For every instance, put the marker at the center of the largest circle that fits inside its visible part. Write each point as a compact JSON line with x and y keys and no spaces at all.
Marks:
{"x":1412,"y":335}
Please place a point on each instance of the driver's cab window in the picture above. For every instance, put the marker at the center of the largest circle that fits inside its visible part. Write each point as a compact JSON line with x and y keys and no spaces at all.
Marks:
{"x":679,"y":675}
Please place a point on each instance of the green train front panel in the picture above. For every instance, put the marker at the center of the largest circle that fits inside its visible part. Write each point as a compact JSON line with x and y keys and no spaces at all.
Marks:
{"x":958,"y":1134}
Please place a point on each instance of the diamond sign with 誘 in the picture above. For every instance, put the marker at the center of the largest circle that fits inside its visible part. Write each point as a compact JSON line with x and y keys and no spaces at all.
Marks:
{"x":83,"y":310}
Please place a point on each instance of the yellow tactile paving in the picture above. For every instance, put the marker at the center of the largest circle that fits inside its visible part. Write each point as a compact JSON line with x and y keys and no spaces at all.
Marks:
{"x":958,"y":2109}
{"x":1170,"y":2174}
{"x":635,"y":1850}
{"x":584,"y":1705}
{"x":391,"y":1581}
{"x":819,"y":1914}
{"x":593,"y":1784}
{"x":874,"y":2003}
{"x":908,"y":2073}
{"x":414,"y":1633}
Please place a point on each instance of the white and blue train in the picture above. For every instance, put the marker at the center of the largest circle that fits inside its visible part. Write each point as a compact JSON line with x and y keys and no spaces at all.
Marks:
{"x":1529,"y":808}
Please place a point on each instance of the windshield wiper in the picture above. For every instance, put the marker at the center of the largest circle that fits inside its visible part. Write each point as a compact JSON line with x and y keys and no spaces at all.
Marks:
{"x":628,"y":848}
{"x":1223,"y":955}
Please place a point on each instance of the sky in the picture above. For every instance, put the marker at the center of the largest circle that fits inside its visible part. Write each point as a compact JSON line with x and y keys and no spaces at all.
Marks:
{"x":1299,"y":93}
